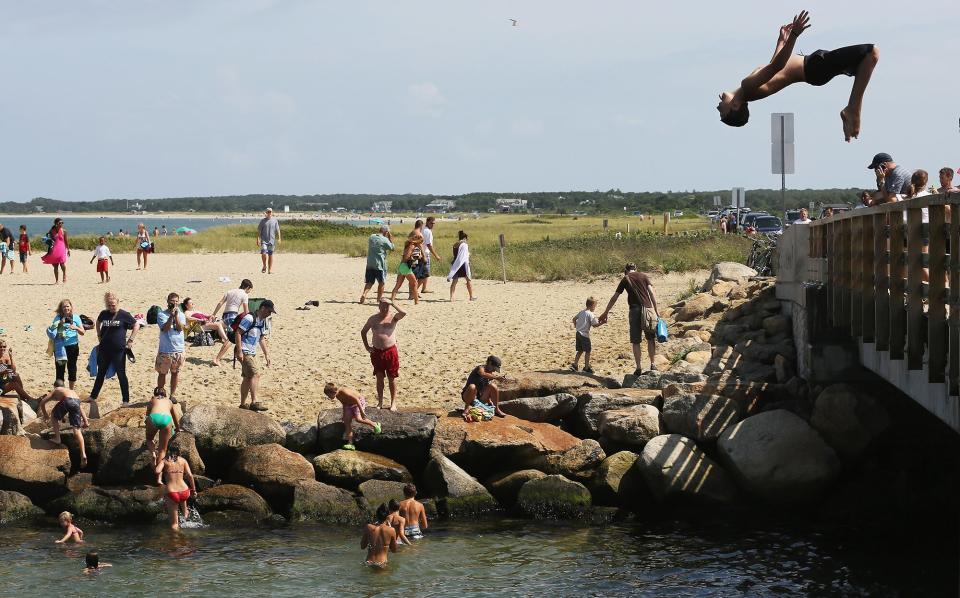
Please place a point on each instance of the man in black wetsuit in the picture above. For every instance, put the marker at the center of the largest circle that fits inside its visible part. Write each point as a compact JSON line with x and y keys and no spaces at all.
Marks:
{"x":816,"y":69}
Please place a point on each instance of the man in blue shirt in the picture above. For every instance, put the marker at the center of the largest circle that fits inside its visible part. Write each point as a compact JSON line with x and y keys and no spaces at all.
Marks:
{"x":170,"y":352}
{"x":249,"y":334}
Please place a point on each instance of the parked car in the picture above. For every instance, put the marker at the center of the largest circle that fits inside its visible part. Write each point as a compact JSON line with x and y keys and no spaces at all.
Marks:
{"x":677,"y":213}
{"x":766,"y":225}
{"x":747,"y":220}
{"x":792,"y":216}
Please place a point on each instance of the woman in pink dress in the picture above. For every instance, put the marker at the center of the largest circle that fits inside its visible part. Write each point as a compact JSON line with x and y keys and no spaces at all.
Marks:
{"x":59,"y":251}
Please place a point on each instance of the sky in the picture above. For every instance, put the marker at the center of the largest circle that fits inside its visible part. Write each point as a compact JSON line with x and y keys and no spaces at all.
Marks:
{"x":168,"y":98}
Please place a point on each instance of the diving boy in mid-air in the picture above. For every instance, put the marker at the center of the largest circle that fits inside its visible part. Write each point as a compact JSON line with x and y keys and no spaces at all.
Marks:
{"x":816,"y":69}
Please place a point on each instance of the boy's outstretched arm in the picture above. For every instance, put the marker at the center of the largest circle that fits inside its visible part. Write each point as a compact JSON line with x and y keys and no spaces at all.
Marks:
{"x":754,"y":80}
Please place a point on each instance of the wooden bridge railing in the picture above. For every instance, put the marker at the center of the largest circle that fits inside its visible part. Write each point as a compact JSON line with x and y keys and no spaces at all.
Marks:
{"x":893,"y":281}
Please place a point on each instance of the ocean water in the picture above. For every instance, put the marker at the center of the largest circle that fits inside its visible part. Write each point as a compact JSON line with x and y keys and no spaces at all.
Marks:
{"x":37,"y":226}
{"x":495,"y":557}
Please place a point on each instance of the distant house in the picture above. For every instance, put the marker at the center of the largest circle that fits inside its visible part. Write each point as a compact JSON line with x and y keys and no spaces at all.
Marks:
{"x":382,"y":206}
{"x":440,"y":205}
{"x":511,"y":204}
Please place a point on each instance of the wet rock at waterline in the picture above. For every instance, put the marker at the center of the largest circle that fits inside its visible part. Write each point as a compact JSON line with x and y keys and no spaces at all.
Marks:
{"x":848,"y":420}
{"x":15,"y":506}
{"x":232,"y":504}
{"x":458,"y":492}
{"x":674,"y":468}
{"x":272,"y":471}
{"x":553,"y":497}
{"x":350,"y":468}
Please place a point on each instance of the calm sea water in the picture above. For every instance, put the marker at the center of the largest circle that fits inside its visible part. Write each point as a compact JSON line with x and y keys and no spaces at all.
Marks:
{"x":37,"y":226}
{"x":491,"y":558}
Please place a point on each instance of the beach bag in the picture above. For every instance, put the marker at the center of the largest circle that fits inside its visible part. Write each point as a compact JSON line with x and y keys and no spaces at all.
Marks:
{"x":661,"y":330}
{"x":152,"y":314}
{"x":87,"y":322}
{"x":202,"y":339}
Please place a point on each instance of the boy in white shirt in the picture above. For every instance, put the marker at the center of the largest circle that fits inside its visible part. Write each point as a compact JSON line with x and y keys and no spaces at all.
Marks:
{"x":104,"y":260}
{"x":583,"y":322}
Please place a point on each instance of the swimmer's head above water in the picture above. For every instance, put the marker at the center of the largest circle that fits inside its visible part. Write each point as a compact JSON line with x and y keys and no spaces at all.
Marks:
{"x":382,"y":513}
{"x":733,"y":111}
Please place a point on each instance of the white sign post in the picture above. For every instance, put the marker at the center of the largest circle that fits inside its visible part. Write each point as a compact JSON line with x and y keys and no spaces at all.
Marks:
{"x":782,"y":151}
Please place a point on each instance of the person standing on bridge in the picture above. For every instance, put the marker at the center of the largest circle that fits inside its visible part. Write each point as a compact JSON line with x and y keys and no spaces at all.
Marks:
{"x":893,"y":180}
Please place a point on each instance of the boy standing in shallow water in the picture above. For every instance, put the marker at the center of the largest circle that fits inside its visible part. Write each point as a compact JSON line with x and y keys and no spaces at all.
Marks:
{"x":583,"y":322}
{"x":413,"y":512}
{"x":354,"y":408}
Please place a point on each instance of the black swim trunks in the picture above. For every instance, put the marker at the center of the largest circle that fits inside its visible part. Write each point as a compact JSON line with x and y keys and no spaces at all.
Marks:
{"x":68,"y":407}
{"x":823,"y":65}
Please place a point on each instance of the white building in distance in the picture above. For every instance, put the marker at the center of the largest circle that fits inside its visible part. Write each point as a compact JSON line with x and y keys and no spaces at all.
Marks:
{"x":511,"y":204}
{"x":382,"y":206}
{"x":440,"y":205}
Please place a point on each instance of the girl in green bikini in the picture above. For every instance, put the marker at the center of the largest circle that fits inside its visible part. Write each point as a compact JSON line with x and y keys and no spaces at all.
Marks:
{"x":162,"y":418}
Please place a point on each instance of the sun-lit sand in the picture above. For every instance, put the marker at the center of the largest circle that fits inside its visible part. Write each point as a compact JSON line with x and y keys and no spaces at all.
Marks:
{"x":526,"y":324}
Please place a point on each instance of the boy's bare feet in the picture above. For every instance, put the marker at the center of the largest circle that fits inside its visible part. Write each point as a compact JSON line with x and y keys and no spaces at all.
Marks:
{"x":393,"y":407}
{"x":83,"y":461}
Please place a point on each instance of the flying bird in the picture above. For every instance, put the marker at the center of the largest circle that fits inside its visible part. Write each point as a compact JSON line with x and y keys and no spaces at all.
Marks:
{"x":514,"y":21}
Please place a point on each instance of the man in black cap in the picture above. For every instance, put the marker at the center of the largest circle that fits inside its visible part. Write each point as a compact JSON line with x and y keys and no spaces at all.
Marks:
{"x":249,"y":334}
{"x":893,"y":180}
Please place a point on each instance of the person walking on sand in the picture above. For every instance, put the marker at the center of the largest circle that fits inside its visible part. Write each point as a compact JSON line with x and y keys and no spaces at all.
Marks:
{"x":383,"y":348}
{"x":23,"y":245}
{"x":67,"y":406}
{"x":59,"y":251}
{"x":268,"y":239}
{"x":234,"y":302}
{"x":65,"y":332}
{"x":163,"y":420}
{"x":379,"y":539}
{"x":643,"y":313}
{"x":104,"y":260}
{"x":429,"y":252}
{"x":815,"y":69}
{"x":354,"y":409}
{"x":460,"y":268}
{"x":583,"y":322}
{"x":482,"y":385}
{"x":6,"y":248}
{"x":248,"y":335}
{"x":114,"y":346}
{"x":143,"y":245}
{"x":171,"y":322}
{"x":413,"y":512}
{"x":378,"y":245}
{"x":177,"y":493}
{"x":411,"y":258}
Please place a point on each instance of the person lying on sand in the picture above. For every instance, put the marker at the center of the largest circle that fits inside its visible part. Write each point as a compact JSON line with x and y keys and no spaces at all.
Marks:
{"x":482,"y":384}
{"x":815,"y":69}
{"x":354,"y":408}
{"x":161,"y":419}
{"x":73,"y":533}
{"x":378,"y":539}
{"x":67,"y":405}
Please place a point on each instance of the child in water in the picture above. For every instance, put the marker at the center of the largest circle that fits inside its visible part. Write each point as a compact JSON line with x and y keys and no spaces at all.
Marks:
{"x":73,"y":532}
{"x":354,"y":408}
{"x":397,"y":522}
{"x":93,"y":563}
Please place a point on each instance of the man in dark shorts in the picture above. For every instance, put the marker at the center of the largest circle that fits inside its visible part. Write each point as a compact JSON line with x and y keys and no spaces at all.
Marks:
{"x":643,"y":313}
{"x":816,"y":69}
{"x":383,"y":348}
{"x":67,"y":405}
{"x":378,"y":245}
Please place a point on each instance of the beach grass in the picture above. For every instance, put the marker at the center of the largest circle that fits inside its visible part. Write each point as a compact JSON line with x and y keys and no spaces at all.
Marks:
{"x":543,"y":247}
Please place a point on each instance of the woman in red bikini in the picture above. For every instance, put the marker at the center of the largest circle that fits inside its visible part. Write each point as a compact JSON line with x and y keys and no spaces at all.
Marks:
{"x":176,"y":493}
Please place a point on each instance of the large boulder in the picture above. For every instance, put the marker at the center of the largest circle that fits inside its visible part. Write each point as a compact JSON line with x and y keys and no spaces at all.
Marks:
{"x":32,"y":466}
{"x":301,"y":438}
{"x":777,"y":456}
{"x":541,"y":409}
{"x":14,"y":506}
{"x":349,"y":468}
{"x":848,"y":420}
{"x":553,"y":497}
{"x":232,"y":504}
{"x":485,"y":446}
{"x":506,"y":487}
{"x":376,"y":492}
{"x":125,"y":458}
{"x":458,"y":492}
{"x":576,"y":463}
{"x":586,"y":420}
{"x":138,"y":503}
{"x":630,"y":425}
{"x":221,"y":432}
{"x":272,"y":471}
{"x":616,"y":480}
{"x":541,"y":384}
{"x":674,"y":468}
{"x":656,"y":380}
{"x":700,"y":416}
{"x":95,"y":438}
{"x":316,"y":501}
{"x":729,"y":272}
{"x":404,"y":437}
{"x":697,"y":307}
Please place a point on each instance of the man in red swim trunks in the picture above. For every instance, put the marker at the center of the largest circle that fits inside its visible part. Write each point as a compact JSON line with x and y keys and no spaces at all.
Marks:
{"x":383,"y":350}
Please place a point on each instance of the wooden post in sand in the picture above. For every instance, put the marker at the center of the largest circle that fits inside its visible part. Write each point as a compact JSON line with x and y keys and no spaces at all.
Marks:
{"x":628,"y":228}
{"x":606,"y":223}
{"x":503,"y":262}
{"x":666,"y":222}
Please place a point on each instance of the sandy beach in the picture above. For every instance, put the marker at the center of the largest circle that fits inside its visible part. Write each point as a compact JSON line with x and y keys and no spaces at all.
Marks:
{"x":526,"y":324}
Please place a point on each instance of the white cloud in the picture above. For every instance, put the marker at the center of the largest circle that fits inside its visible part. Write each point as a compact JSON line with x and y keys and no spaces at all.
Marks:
{"x":425,"y":98}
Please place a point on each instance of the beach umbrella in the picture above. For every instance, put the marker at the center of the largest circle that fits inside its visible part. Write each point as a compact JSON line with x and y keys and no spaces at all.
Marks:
{"x":184,"y":230}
